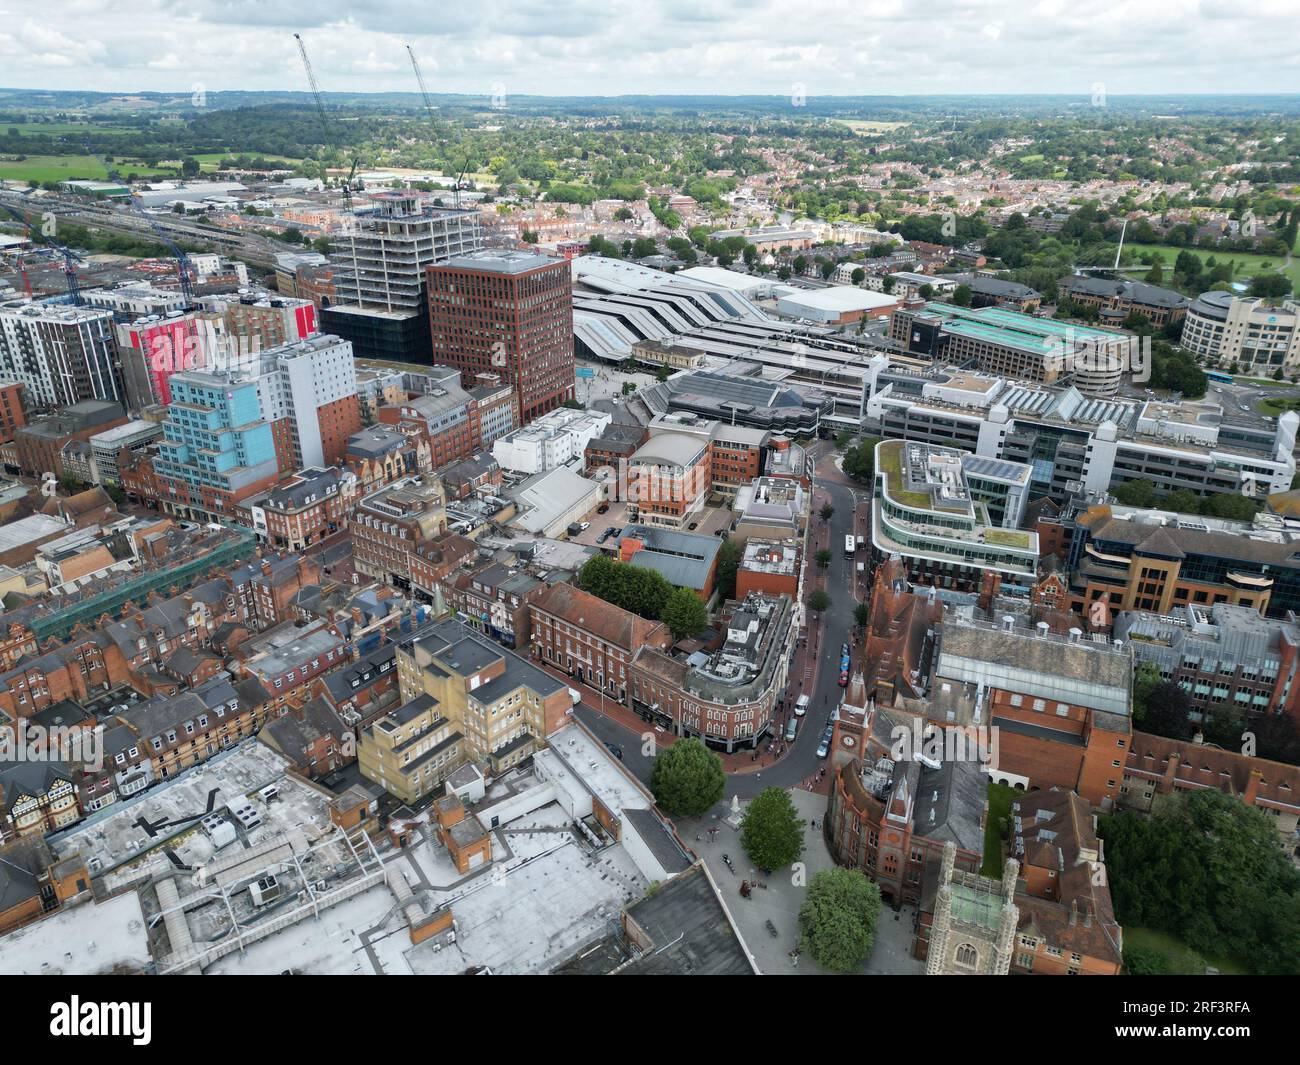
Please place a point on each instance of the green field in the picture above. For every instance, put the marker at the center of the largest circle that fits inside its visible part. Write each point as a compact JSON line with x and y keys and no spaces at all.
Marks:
{"x":1183,"y":961}
{"x":208,"y":160}
{"x":66,"y":168}
{"x":1247,"y":264}
{"x":865,"y":128}
{"x":58,"y":129}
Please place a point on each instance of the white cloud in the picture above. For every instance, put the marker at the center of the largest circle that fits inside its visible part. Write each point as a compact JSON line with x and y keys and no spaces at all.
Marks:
{"x":610,"y":47}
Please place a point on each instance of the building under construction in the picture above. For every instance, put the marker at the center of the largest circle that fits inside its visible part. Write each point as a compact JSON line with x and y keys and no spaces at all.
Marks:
{"x":381,"y":304}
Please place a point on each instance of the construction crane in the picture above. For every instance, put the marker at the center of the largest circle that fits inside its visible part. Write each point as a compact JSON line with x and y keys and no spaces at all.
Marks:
{"x":70,"y":258}
{"x":324,"y":119}
{"x":183,"y":264}
{"x":428,"y":104}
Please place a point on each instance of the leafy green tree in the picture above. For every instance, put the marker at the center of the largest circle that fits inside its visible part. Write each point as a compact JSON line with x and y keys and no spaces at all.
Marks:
{"x":1210,"y":870}
{"x":862,"y":615}
{"x":823,"y":558}
{"x":1136,"y":493}
{"x":642,"y":591}
{"x":687,"y":778}
{"x":827,"y":511}
{"x":1270,"y":286}
{"x":819,"y":602}
{"x":859,"y":462}
{"x":772,"y":830}
{"x":728,"y":566}
{"x":837,"y":921}
{"x":684,"y":614}
{"x":1139,"y":961}
{"x":962,"y":295}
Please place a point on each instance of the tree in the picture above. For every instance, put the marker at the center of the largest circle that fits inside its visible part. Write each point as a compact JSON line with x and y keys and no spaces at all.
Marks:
{"x":858,"y":276}
{"x":684,"y":614}
{"x":1209,"y":869}
{"x":837,"y":921}
{"x":1140,"y":961}
{"x":687,"y":778}
{"x":961,"y":295}
{"x":862,"y":615}
{"x":772,"y":830}
{"x":859,"y":462}
{"x":819,"y":602}
{"x":827,"y":511}
{"x":728,"y":565}
{"x":1271,"y":286}
{"x":642,"y":591}
{"x":1137,"y":493}
{"x":823,"y":558}
{"x":1161,"y":707}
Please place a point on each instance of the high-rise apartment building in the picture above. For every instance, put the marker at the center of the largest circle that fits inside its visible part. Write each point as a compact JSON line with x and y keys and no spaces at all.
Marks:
{"x":509,"y":313}
{"x":62,"y":354}
{"x":379,"y":302}
{"x":308,"y":393}
{"x":216,"y":450}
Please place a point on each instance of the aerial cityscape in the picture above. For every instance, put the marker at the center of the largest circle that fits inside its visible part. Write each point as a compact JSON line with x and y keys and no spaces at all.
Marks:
{"x":673,"y":492}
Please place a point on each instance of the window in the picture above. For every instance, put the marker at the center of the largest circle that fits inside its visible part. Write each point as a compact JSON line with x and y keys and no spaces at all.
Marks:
{"x":967,"y":956}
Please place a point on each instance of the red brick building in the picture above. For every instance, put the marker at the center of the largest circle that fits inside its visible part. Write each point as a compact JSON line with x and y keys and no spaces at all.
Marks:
{"x":509,"y":313}
{"x":12,"y":415}
{"x":591,"y":639}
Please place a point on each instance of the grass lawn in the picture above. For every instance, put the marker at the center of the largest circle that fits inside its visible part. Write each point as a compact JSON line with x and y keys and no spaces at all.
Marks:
{"x":1278,"y":406}
{"x":56,"y":129}
{"x":1247,"y":263}
{"x":208,"y":161}
{"x":865,"y":128}
{"x":1000,"y":799}
{"x":1262,"y":382}
{"x":67,"y":168}
{"x":1183,"y":961}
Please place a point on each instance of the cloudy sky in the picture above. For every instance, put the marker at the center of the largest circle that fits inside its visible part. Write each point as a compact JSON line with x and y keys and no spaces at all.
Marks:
{"x":611,"y":47}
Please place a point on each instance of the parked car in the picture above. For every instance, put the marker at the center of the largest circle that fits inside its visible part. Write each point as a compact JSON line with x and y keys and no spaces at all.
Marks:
{"x":693,"y":526}
{"x":823,"y":748}
{"x":615,"y":750}
{"x":585,"y":525}
{"x":611,"y":531}
{"x":792,"y":730}
{"x":603,"y":509}
{"x":801,"y":706}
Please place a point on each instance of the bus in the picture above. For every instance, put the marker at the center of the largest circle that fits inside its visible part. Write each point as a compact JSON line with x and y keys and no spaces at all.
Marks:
{"x":1220,"y":376}
{"x":849,"y":546}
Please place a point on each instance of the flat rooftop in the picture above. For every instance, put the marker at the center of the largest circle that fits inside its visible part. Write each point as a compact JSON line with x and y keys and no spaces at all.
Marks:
{"x":87,"y":939}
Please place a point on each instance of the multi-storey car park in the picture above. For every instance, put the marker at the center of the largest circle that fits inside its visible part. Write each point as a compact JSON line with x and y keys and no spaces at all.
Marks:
{"x":1073,"y":442}
{"x":1017,"y":345}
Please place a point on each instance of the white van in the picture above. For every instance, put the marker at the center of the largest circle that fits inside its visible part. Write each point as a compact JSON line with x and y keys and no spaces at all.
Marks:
{"x":801,"y":706}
